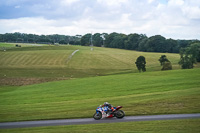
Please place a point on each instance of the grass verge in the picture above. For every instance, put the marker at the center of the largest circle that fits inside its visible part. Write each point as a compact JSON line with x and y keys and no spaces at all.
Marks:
{"x":168,"y":92}
{"x":163,"y":126}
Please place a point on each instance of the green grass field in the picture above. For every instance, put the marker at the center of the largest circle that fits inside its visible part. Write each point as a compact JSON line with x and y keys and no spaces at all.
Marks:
{"x":176,"y":91}
{"x":166,"y":126}
{"x":51,"y":62}
{"x":95,"y":77}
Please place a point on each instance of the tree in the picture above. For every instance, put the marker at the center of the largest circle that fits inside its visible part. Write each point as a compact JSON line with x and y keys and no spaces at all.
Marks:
{"x":62,"y":42}
{"x":32,"y":38}
{"x":186,"y":62}
{"x":157,"y":43}
{"x":97,"y":40}
{"x":167,"y":66}
{"x":163,"y":59}
{"x":132,"y":42}
{"x":118,"y":41}
{"x":189,"y":56}
{"x":115,"y":40}
{"x":187,"y":59}
{"x":183,"y":43}
{"x":109,"y":39}
{"x":172,"y":46}
{"x":195,"y":51}
{"x":143,"y":45}
{"x":165,"y":63}
{"x":86,"y":40}
{"x":141,"y":63}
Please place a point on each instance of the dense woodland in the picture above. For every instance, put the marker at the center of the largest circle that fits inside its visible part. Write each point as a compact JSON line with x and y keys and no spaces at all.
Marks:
{"x":42,"y":39}
{"x":139,"y":42}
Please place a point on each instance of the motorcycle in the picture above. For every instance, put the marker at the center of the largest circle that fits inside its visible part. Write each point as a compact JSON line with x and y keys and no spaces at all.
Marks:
{"x":103,"y":112}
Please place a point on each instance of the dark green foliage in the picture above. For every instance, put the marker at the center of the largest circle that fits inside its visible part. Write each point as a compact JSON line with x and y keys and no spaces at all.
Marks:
{"x":97,"y":40}
{"x":134,"y":41}
{"x":114,"y":40}
{"x":77,"y":43}
{"x":165,"y":63}
{"x":187,"y":59}
{"x":163,"y":59}
{"x":183,"y":43}
{"x":62,"y":42}
{"x":172,"y":46}
{"x":122,"y":41}
{"x":119,"y":41}
{"x":141,"y":63}
{"x":189,"y":56}
{"x":186,"y":62}
{"x":32,"y":38}
{"x":86,"y":40}
{"x":195,"y":50}
{"x":143,"y":44}
{"x":167,"y":66}
{"x":157,"y":44}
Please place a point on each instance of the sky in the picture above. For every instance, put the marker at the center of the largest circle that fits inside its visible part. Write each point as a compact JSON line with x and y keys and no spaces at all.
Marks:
{"x":176,"y":19}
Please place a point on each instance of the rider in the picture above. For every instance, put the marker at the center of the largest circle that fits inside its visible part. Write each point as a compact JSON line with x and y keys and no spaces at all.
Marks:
{"x":109,"y":106}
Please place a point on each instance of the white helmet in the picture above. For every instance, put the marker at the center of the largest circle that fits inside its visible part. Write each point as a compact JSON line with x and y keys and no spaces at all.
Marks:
{"x":106,"y":103}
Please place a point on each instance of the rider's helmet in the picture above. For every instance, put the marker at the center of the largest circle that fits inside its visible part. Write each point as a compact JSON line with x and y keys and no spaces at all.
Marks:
{"x":106,"y":103}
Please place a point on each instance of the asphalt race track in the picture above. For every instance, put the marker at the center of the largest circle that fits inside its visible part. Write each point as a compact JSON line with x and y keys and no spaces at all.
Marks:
{"x":25,"y":124}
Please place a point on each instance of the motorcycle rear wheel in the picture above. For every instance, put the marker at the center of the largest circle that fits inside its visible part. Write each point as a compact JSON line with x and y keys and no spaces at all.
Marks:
{"x":97,"y":116}
{"x":120,"y":114}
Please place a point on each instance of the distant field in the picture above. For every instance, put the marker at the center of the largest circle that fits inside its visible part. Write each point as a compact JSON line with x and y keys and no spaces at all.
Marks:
{"x":6,"y":45}
{"x":13,"y":45}
{"x":20,"y":66}
{"x":176,"y":91}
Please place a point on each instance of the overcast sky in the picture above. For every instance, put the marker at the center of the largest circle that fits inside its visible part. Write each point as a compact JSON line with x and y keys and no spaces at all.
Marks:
{"x":177,"y":19}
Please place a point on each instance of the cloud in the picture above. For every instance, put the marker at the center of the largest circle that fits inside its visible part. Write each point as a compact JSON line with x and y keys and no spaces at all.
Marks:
{"x":176,"y":2}
{"x":192,"y":12}
{"x":37,"y":25}
{"x":112,"y":3}
{"x":17,"y":6}
{"x":150,"y":1}
{"x":68,"y":2}
{"x":178,"y":19}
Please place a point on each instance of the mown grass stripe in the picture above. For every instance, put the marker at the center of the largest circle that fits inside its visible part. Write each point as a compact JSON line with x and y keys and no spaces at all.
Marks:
{"x":101,"y":61}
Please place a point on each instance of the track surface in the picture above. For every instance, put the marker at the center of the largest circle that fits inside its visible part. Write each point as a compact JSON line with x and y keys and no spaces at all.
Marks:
{"x":25,"y":124}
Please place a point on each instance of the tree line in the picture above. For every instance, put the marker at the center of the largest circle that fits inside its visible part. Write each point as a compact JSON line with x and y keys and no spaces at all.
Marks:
{"x":189,"y":50}
{"x":139,"y":42}
{"x":44,"y":39}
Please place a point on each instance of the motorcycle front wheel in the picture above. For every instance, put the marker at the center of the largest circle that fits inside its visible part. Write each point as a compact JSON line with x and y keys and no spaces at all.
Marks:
{"x":97,"y":116}
{"x":119,"y":114}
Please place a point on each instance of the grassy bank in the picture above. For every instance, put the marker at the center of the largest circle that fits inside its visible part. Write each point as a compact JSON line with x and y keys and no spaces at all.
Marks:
{"x":176,"y":91}
{"x":167,"y":126}
{"x":51,"y":61}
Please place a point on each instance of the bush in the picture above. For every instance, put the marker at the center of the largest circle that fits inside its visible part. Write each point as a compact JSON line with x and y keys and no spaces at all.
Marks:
{"x":141,"y":63}
{"x":167,"y":66}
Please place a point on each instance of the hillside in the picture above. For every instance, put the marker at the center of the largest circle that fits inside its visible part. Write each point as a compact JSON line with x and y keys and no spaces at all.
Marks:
{"x":167,"y":92}
{"x":27,"y":65}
